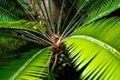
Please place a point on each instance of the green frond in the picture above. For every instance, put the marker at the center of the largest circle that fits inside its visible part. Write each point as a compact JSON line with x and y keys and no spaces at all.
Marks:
{"x":97,"y":59}
{"x":33,"y":66}
{"x":7,"y":71}
{"x":6,"y":17}
{"x":95,"y":50}
{"x":22,"y":25}
{"x":12,"y":9}
{"x":101,"y":8}
{"x":81,"y":2}
{"x":5,"y":14}
{"x":106,"y":30}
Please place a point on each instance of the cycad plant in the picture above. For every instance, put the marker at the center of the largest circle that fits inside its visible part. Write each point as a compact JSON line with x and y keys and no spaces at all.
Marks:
{"x":80,"y":39}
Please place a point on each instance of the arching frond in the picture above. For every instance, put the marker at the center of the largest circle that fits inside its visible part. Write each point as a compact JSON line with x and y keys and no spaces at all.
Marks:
{"x":106,"y":30}
{"x":23,"y":25}
{"x":35,"y":67}
{"x":101,"y":8}
{"x":95,"y":50}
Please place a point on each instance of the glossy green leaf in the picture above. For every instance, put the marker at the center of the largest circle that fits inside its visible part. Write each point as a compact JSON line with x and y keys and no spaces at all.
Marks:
{"x":101,"y":8}
{"x":105,"y":30}
{"x":97,"y":59}
{"x":94,"y":49}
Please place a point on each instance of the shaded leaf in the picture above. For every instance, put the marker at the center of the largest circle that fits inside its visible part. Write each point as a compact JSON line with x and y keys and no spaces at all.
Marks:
{"x":7,"y":71}
{"x":11,"y":9}
{"x":34,"y":67}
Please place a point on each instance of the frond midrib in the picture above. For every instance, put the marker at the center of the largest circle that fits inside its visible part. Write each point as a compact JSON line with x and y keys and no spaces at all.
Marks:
{"x":106,"y":46}
{"x":25,"y":65}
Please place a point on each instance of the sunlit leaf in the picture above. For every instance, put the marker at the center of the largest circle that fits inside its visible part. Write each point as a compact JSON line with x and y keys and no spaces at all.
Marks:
{"x":94,"y":49}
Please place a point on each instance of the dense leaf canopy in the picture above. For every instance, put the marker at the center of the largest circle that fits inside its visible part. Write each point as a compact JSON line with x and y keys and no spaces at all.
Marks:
{"x":82,"y":38}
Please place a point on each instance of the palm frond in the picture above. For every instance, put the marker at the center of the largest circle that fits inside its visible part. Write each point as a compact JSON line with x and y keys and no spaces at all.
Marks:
{"x":60,"y":17}
{"x":68,"y":15}
{"x":51,"y":17}
{"x":81,"y":2}
{"x":22,"y":4}
{"x":7,"y":71}
{"x":34,"y":66}
{"x":36,"y":38}
{"x":100,"y":9}
{"x":6,"y":17}
{"x":103,"y":30}
{"x":75,"y":21}
{"x":95,"y":50}
{"x":22,"y":25}
{"x":12,"y":9}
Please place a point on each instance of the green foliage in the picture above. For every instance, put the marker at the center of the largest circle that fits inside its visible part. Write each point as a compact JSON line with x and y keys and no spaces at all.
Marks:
{"x":22,"y":25}
{"x":11,"y":10}
{"x":101,"y":8}
{"x":35,"y":67}
{"x":15,"y":65}
{"x":106,"y":30}
{"x":9,"y":49}
{"x":10,"y":44}
{"x":92,"y":46}
{"x":95,"y":51}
